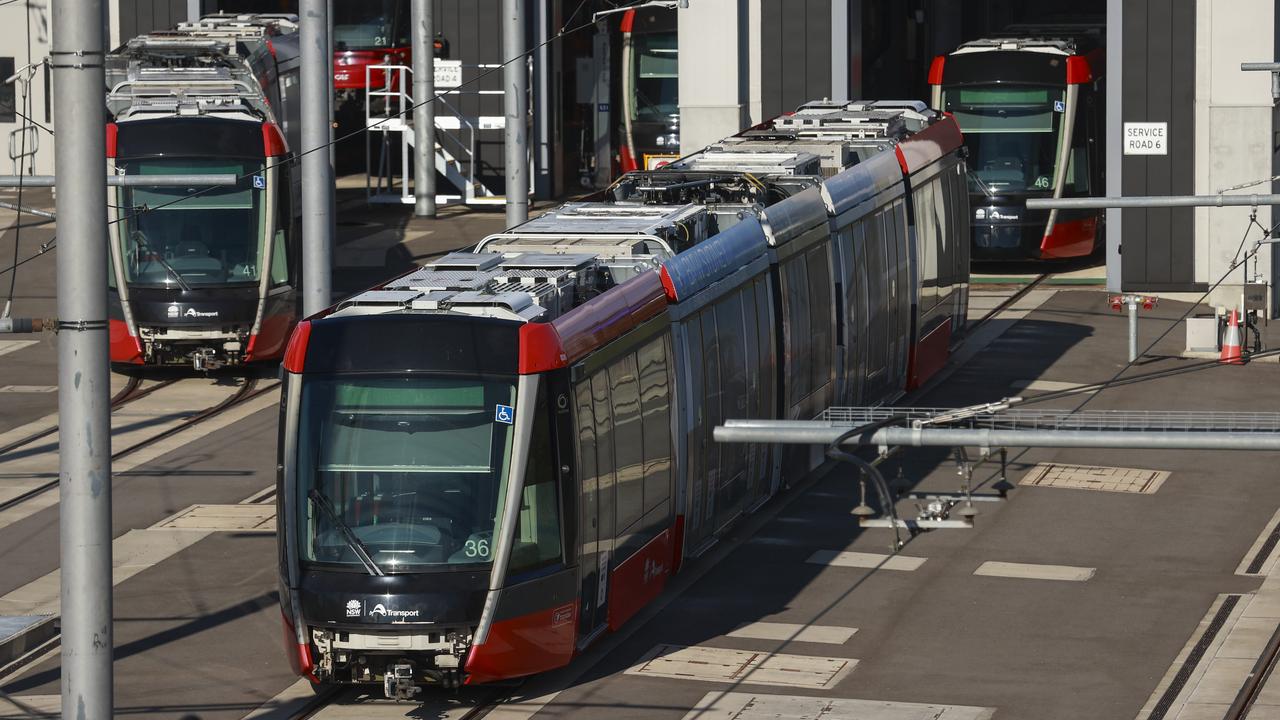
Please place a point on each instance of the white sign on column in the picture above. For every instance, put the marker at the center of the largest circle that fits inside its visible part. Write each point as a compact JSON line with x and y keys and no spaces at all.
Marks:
{"x":1146,"y":138}
{"x":448,"y":73}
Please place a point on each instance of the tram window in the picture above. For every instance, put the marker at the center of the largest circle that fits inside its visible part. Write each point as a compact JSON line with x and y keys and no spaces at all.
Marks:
{"x":712,"y":410}
{"x":537,"y":534}
{"x":795,"y":285}
{"x":628,"y":441}
{"x":942,"y":219}
{"x":604,"y":453}
{"x":733,"y":375}
{"x":1078,"y":170}
{"x":764,"y":325}
{"x":820,"y":313}
{"x":655,"y":403}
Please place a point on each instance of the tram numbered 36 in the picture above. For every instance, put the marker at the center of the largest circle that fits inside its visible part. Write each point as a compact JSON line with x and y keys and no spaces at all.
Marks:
{"x":487,"y":463}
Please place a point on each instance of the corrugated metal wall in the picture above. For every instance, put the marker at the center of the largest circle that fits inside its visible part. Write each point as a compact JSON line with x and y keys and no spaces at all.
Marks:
{"x":1159,"y":73}
{"x":795,"y":53}
{"x":143,"y":16}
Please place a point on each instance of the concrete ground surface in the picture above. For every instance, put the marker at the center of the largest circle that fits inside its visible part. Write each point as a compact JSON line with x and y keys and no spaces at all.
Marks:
{"x":1059,"y":603}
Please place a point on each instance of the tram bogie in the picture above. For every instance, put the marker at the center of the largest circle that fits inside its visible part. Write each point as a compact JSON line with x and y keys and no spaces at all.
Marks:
{"x":204,"y":276}
{"x":489,"y":462}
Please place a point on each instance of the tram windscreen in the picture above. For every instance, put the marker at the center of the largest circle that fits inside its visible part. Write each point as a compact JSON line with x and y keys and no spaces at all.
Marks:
{"x":412,"y":466}
{"x":656,"y":80}
{"x":198,"y":235}
{"x":1012,"y":133}
{"x":370,"y":24}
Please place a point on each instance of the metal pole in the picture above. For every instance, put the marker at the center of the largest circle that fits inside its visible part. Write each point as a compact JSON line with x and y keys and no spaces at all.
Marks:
{"x":1152,"y":201}
{"x":801,"y":432}
{"x":84,"y":385}
{"x":515,"y":83}
{"x":1133,"y":329}
{"x":424,"y":111}
{"x":317,"y":168}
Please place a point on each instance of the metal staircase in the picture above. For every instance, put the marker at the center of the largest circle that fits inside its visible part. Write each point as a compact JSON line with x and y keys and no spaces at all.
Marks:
{"x":455,"y":159}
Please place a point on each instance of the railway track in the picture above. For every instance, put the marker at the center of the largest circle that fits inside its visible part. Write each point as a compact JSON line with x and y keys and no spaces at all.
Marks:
{"x":1010,"y":301}
{"x":441,"y":704}
{"x":132,"y":391}
{"x":244,"y":393}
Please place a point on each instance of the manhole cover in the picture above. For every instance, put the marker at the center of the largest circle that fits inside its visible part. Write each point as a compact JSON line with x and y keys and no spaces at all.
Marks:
{"x":1091,"y":477}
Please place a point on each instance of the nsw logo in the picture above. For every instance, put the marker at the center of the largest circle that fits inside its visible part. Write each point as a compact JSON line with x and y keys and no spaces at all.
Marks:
{"x":354,"y":608}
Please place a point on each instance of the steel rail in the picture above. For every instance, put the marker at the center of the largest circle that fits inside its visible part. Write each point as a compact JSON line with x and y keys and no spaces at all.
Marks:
{"x":1008,"y":302}
{"x":245,"y":393}
{"x":127,"y":394}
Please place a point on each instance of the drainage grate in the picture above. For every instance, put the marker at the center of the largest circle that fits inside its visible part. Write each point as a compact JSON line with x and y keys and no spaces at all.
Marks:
{"x":1189,"y":665}
{"x":1089,"y":477}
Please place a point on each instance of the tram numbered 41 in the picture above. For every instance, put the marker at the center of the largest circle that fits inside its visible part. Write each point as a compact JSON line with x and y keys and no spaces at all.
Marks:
{"x":487,"y":463}
{"x":204,"y":276}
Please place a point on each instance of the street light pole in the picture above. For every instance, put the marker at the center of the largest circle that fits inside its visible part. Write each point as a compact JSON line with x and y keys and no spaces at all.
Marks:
{"x":424,"y":111}
{"x":515,"y":84}
{"x":317,"y":165}
{"x":84,"y":394}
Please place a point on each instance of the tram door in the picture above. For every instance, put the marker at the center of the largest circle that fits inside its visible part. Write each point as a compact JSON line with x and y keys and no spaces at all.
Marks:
{"x":595,"y":470}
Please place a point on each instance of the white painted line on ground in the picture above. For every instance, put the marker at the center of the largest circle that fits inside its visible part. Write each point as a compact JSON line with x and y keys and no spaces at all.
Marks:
{"x":285,"y":706}
{"x":32,"y":706}
{"x":752,"y":706}
{"x":8,"y":346}
{"x":738,"y":666}
{"x":242,"y":517}
{"x":794,"y":632}
{"x":876,"y":561}
{"x":12,"y":486}
{"x":1049,"y":386}
{"x":131,"y":553}
{"x":1032,"y":571}
{"x":28,"y":388}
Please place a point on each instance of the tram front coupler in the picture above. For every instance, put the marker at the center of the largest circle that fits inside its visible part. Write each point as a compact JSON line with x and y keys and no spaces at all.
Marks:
{"x":205,"y":360}
{"x":398,"y":683}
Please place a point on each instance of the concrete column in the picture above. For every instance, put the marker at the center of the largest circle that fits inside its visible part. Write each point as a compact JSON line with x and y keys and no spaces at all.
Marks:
{"x":714,"y":46}
{"x":424,"y":111}
{"x":515,"y":85}
{"x":1114,"y":131}
{"x":317,"y":165}
{"x":84,"y":384}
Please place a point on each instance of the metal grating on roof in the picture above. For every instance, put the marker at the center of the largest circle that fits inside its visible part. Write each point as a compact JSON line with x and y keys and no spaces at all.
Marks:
{"x":1090,"y":477}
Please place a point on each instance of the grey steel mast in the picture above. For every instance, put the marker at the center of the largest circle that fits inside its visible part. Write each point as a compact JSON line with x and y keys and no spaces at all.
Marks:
{"x":317,"y":165}
{"x":515,"y":84}
{"x":84,"y":385}
{"x":424,"y":111}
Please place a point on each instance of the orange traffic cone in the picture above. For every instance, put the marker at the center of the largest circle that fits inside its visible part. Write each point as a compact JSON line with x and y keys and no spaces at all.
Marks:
{"x":1230,"y":354}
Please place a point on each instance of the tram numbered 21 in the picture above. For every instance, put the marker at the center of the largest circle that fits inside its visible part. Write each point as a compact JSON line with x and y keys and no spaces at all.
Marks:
{"x":204,"y":276}
{"x":1031,"y":110}
{"x":492,"y":460}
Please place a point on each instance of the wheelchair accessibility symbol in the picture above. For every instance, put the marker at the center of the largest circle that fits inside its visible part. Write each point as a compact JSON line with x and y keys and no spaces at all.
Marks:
{"x":259,"y":182}
{"x":504,"y":414}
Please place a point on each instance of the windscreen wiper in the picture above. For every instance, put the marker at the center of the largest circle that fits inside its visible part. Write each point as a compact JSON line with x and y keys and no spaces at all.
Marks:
{"x":985,"y":187}
{"x":319,"y":500}
{"x":141,"y":239}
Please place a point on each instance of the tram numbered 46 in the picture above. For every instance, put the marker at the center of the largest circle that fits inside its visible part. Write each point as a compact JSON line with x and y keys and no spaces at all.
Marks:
{"x":487,"y":463}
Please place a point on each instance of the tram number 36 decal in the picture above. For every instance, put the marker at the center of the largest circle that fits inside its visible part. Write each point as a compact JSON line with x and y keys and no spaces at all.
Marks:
{"x":476,"y":548}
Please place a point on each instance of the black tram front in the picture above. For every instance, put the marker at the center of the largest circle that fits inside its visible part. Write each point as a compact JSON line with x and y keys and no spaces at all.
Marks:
{"x":1032,"y":116}
{"x":201,"y":275}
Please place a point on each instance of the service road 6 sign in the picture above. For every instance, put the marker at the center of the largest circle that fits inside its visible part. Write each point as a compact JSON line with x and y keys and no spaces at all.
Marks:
{"x":1146,"y":138}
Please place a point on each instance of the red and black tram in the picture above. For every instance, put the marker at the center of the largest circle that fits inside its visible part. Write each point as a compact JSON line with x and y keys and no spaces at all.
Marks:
{"x":488,"y":462}
{"x":1031,"y":110}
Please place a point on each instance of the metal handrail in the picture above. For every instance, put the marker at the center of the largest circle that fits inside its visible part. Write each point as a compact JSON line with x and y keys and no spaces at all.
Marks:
{"x":1119,"y":420}
{"x":398,"y":95}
